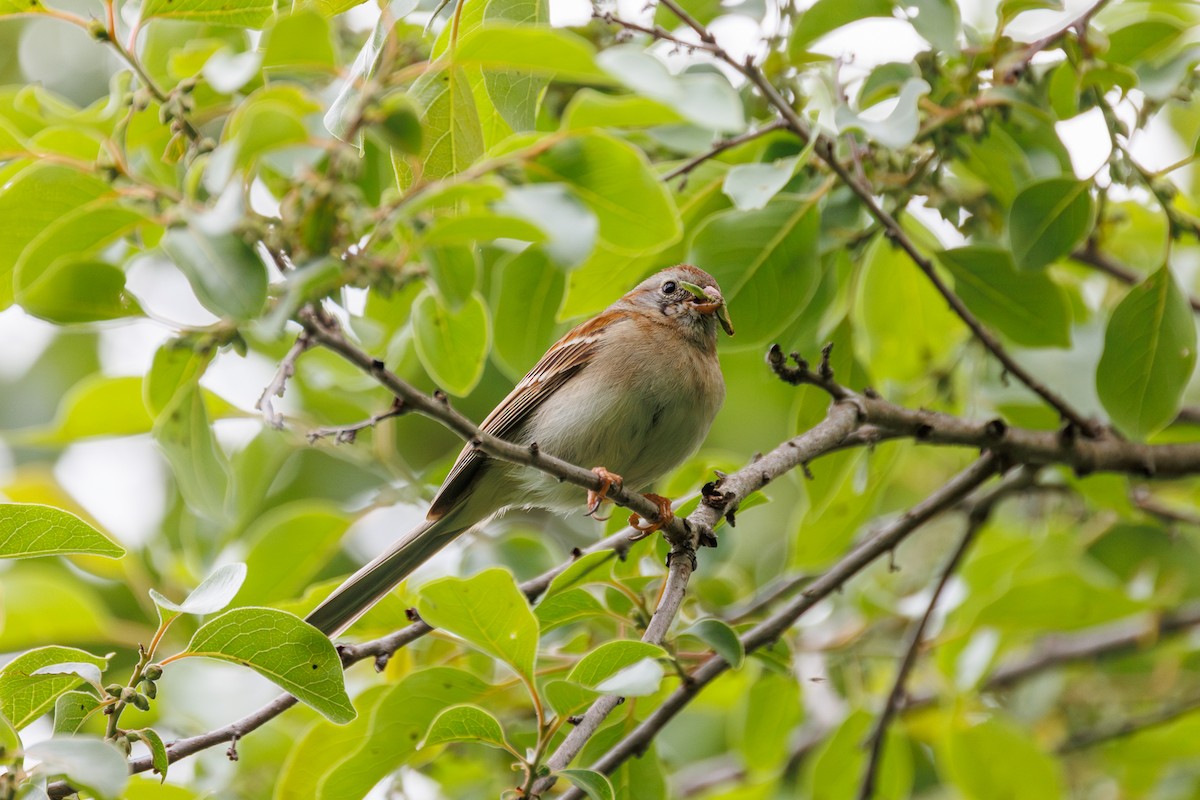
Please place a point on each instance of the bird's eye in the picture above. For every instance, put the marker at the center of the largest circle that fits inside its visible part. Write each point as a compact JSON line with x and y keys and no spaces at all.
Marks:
{"x":669,"y":287}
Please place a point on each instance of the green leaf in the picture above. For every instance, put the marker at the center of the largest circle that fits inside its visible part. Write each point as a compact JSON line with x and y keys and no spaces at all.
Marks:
{"x":567,"y":698}
{"x":589,"y":108}
{"x":333,"y":762}
{"x":751,"y":186}
{"x":765,"y":262}
{"x":176,"y":368}
{"x":595,"y":785}
{"x":1061,"y":600}
{"x":1149,"y":354}
{"x":527,"y":291}
{"x":453,"y":139}
{"x":899,"y":128}
{"x":67,"y":609}
{"x":1028,"y":307}
{"x":515,"y":93}
{"x":900,"y":346}
{"x":703,"y":98}
{"x":568,"y":606}
{"x":591,"y":568}
{"x":480,"y":226}
{"x":770,"y":711}
{"x":721,"y":638}
{"x":545,"y":51}
{"x":454,"y":269}
{"x":1048,"y":219}
{"x":835,"y":768}
{"x":87,"y":762}
{"x":33,"y":200}
{"x":489,"y":611}
{"x":242,"y":14}
{"x":452,"y":345}
{"x":640,"y":679}
{"x":72,"y":709}
{"x":825,"y":16}
{"x":213,"y":594}
{"x":73,"y":290}
{"x":282,"y":648}
{"x":466,"y":723}
{"x":79,"y":233}
{"x":614,"y":180}
{"x":570,"y":226}
{"x":939,"y":22}
{"x":1009,"y":9}
{"x":287,"y":547}
{"x":28,"y":530}
{"x":200,"y":467}
{"x":24,"y":696}
{"x":158,"y":750}
{"x":299,"y":41}
{"x":610,"y":658}
{"x":228,"y":277}
{"x":1144,"y":40}
{"x":1025,"y":771}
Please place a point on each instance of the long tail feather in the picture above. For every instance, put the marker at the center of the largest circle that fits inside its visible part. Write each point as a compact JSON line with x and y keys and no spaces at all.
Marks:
{"x":366,"y":587}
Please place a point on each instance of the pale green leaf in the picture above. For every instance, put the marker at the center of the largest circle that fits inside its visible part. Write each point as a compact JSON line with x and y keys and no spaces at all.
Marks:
{"x":720,"y":637}
{"x":87,"y":762}
{"x":466,"y":723}
{"x":527,"y":291}
{"x":594,"y":784}
{"x":213,"y":594}
{"x":25,"y":696}
{"x":899,"y":127}
{"x":282,"y":648}
{"x":453,"y":139}
{"x":452,"y":345}
{"x":610,"y":658}
{"x":703,"y":98}
{"x":489,"y":611}
{"x":228,"y":277}
{"x":244,"y":13}
{"x":545,"y":51}
{"x":72,"y":709}
{"x":28,"y":530}
{"x":287,"y":547}
{"x":1048,"y":219}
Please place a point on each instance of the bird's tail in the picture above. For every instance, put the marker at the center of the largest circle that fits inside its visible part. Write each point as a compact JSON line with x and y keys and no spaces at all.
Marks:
{"x":367,"y":587}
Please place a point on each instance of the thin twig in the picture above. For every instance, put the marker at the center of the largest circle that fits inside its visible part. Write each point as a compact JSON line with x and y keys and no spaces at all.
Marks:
{"x":1091,"y":256}
{"x":346,"y":434}
{"x":722,"y":146}
{"x":278,"y":384}
{"x":979,"y":513}
{"x":1131,"y":726}
{"x":770,"y":629}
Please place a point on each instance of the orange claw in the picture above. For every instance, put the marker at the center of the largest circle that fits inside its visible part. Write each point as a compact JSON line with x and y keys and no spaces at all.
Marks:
{"x":607,"y":481}
{"x":665,"y":515}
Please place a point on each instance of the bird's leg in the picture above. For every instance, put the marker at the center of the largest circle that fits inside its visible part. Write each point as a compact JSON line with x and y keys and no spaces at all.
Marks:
{"x":665,"y":515}
{"x":607,"y":481}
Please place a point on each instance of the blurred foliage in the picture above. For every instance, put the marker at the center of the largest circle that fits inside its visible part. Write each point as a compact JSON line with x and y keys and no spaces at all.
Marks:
{"x":179,"y":178}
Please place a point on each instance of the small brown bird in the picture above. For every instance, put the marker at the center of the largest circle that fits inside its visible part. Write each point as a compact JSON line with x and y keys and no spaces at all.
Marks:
{"x":633,"y":390}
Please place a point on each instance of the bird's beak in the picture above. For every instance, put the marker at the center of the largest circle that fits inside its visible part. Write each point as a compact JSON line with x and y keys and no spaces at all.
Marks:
{"x":711,"y":302}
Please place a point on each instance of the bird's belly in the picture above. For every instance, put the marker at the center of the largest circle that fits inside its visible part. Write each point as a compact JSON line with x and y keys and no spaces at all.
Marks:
{"x":640,"y":428}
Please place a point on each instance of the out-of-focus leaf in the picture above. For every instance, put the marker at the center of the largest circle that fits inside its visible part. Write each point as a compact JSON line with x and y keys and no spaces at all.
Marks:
{"x":200,"y":467}
{"x":299,"y":41}
{"x":247,"y":13}
{"x":1076,"y":601}
{"x":1009,"y":9}
{"x":75,"y":290}
{"x":836,"y":767}
{"x":332,"y":762}
{"x":770,"y":710}
{"x":67,"y":610}
{"x":703,"y":98}
{"x":228,"y":277}
{"x":452,"y":345}
{"x":897,"y":129}
{"x":1149,"y":355}
{"x":1025,"y":771}
{"x":567,"y":606}
{"x":589,"y":108}
{"x":466,"y":723}
{"x":547,"y":51}
{"x":825,"y":16}
{"x":33,"y":200}
{"x":489,"y":611}
{"x":287,"y":547}
{"x":515,"y":93}
{"x":1048,"y":220}
{"x":282,"y":648}
{"x":1028,"y":307}
{"x":593,"y":567}
{"x":25,"y":696}
{"x":87,"y":762}
{"x":569,"y":226}
{"x":766,"y":263}
{"x":614,"y":180}
{"x":527,"y":291}
{"x":567,"y":698}
{"x":28,"y":530}
{"x":1144,"y":40}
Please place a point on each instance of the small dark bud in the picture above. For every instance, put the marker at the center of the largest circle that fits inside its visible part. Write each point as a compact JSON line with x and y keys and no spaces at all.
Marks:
{"x":141,"y":702}
{"x":152,"y":672}
{"x":114,"y":689}
{"x":97,"y":30}
{"x":996,"y":428}
{"x":150,"y":689}
{"x":923,"y":431}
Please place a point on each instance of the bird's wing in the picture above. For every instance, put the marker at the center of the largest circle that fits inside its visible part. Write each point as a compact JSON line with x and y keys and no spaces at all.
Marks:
{"x":565,"y":358}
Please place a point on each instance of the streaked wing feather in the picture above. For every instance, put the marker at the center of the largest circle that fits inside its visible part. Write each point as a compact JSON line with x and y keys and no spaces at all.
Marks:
{"x":561,"y":362}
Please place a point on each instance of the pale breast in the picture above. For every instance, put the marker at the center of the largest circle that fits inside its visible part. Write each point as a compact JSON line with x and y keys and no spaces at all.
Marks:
{"x":638,"y":409}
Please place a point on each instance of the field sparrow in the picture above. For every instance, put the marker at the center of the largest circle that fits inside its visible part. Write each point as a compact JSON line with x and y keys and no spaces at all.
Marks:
{"x":633,"y":390}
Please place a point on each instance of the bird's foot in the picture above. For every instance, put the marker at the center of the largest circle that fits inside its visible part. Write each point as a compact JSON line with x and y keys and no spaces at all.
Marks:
{"x":643,"y":528}
{"x":607,"y":481}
